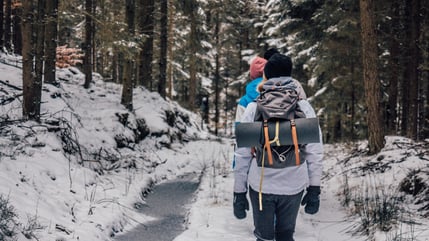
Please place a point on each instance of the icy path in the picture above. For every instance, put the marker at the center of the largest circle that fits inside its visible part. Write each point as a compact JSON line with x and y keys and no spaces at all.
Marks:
{"x":168,"y":204}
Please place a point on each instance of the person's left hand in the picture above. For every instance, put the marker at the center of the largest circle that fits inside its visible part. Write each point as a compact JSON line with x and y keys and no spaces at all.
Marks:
{"x":311,"y":200}
{"x":240,"y":205}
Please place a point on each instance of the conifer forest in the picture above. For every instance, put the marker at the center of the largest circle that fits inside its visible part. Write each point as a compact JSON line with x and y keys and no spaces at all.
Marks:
{"x":363,"y":64}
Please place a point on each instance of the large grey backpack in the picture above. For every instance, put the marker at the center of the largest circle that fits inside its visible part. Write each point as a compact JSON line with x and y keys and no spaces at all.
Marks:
{"x":275,"y":105}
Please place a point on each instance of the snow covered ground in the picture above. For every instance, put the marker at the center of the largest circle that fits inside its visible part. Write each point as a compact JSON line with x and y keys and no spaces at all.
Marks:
{"x":61,"y":192}
{"x":211,"y":215}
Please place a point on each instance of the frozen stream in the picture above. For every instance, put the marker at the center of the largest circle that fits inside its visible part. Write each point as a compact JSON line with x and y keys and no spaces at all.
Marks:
{"x":168,"y":203}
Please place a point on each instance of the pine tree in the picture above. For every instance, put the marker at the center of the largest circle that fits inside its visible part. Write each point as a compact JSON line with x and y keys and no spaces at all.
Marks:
{"x":146,"y":26}
{"x":413,"y":10}
{"x":1,"y":25}
{"x":51,"y":36}
{"x":7,"y":25}
{"x":127,"y":83}
{"x":16,"y":28}
{"x":370,"y":72}
{"x":29,"y":92}
{"x":163,"y":48}
{"x":87,"y":62}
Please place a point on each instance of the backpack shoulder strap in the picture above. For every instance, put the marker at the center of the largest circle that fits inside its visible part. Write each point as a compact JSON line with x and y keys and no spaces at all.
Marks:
{"x":267,"y":145}
{"x":295,"y":141}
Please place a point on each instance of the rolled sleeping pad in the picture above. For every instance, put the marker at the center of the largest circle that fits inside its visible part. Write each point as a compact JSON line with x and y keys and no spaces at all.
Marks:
{"x":249,"y":134}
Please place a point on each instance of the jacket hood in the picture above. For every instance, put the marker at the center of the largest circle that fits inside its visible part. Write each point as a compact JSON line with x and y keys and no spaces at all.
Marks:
{"x":279,"y":82}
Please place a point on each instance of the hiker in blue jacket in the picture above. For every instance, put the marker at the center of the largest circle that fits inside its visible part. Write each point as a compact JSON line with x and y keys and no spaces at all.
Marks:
{"x":282,"y":188}
{"x":256,"y":71}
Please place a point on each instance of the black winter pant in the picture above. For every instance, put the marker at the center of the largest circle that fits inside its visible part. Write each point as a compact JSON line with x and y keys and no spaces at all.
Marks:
{"x":277,"y":219}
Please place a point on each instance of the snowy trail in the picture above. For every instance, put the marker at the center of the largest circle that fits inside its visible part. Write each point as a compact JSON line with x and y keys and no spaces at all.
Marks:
{"x":211,"y":216}
{"x":212,"y":220}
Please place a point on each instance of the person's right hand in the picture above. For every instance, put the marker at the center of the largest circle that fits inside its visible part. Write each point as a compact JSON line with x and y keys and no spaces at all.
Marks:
{"x":311,"y":200}
{"x":240,"y":205}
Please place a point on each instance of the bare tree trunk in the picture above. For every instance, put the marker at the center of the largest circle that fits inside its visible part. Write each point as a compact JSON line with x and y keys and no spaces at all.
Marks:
{"x":412,"y":68}
{"x":7,"y":26}
{"x":17,"y":33}
{"x":127,"y":86}
{"x":217,"y":73}
{"x":39,"y":57}
{"x":146,"y":55}
{"x":426,"y":116}
{"x":127,"y":83}
{"x":115,"y":68}
{"x":93,"y":32}
{"x":28,"y":105}
{"x":354,"y":102}
{"x":170,"y":50}
{"x":1,"y":23}
{"x":163,"y":47}
{"x":392,"y":111}
{"x":371,"y":82}
{"x":87,"y":63}
{"x":193,"y":61}
{"x":51,"y":40}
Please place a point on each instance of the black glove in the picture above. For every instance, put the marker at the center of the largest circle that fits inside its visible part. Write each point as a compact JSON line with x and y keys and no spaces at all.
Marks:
{"x":311,"y":200}
{"x":240,"y":205}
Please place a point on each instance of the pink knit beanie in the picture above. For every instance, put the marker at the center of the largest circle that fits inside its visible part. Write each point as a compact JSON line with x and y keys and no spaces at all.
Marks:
{"x":257,"y":67}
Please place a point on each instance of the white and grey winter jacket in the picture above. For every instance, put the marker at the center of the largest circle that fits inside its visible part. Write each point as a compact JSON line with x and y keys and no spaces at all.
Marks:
{"x":283,"y":181}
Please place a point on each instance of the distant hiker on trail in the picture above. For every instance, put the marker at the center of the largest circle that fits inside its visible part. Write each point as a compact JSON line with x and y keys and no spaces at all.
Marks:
{"x":256,"y":71}
{"x":276,"y":187}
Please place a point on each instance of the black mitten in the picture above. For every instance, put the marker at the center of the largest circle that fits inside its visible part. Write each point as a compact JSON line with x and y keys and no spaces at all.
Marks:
{"x":240,"y":205}
{"x":311,"y":200}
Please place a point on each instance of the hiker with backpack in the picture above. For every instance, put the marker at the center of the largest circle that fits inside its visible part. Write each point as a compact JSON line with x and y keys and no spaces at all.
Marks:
{"x":256,"y":71}
{"x":276,"y":177}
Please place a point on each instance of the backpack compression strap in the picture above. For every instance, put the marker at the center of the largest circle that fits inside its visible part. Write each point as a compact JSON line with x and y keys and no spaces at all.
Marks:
{"x":276,"y":137}
{"x":295,"y":141}
{"x":267,"y":145}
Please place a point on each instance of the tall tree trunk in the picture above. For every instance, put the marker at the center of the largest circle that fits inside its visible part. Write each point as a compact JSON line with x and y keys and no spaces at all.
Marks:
{"x":353,"y":99}
{"x":370,"y":75}
{"x":127,"y":81}
{"x":170,"y":49}
{"x":412,"y":68}
{"x":120,"y":62}
{"x":1,"y":23}
{"x":146,"y":55}
{"x":28,"y":105}
{"x":127,"y":85}
{"x":7,"y":26}
{"x":115,"y":68}
{"x":217,"y":73}
{"x":163,"y":54}
{"x":17,"y":33}
{"x":51,"y":40}
{"x":93,"y":32}
{"x":424,"y":119}
{"x":426,"y":116}
{"x":405,"y":103}
{"x":87,"y":62}
{"x":392,"y":111}
{"x":39,"y":57}
{"x":192,"y":59}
